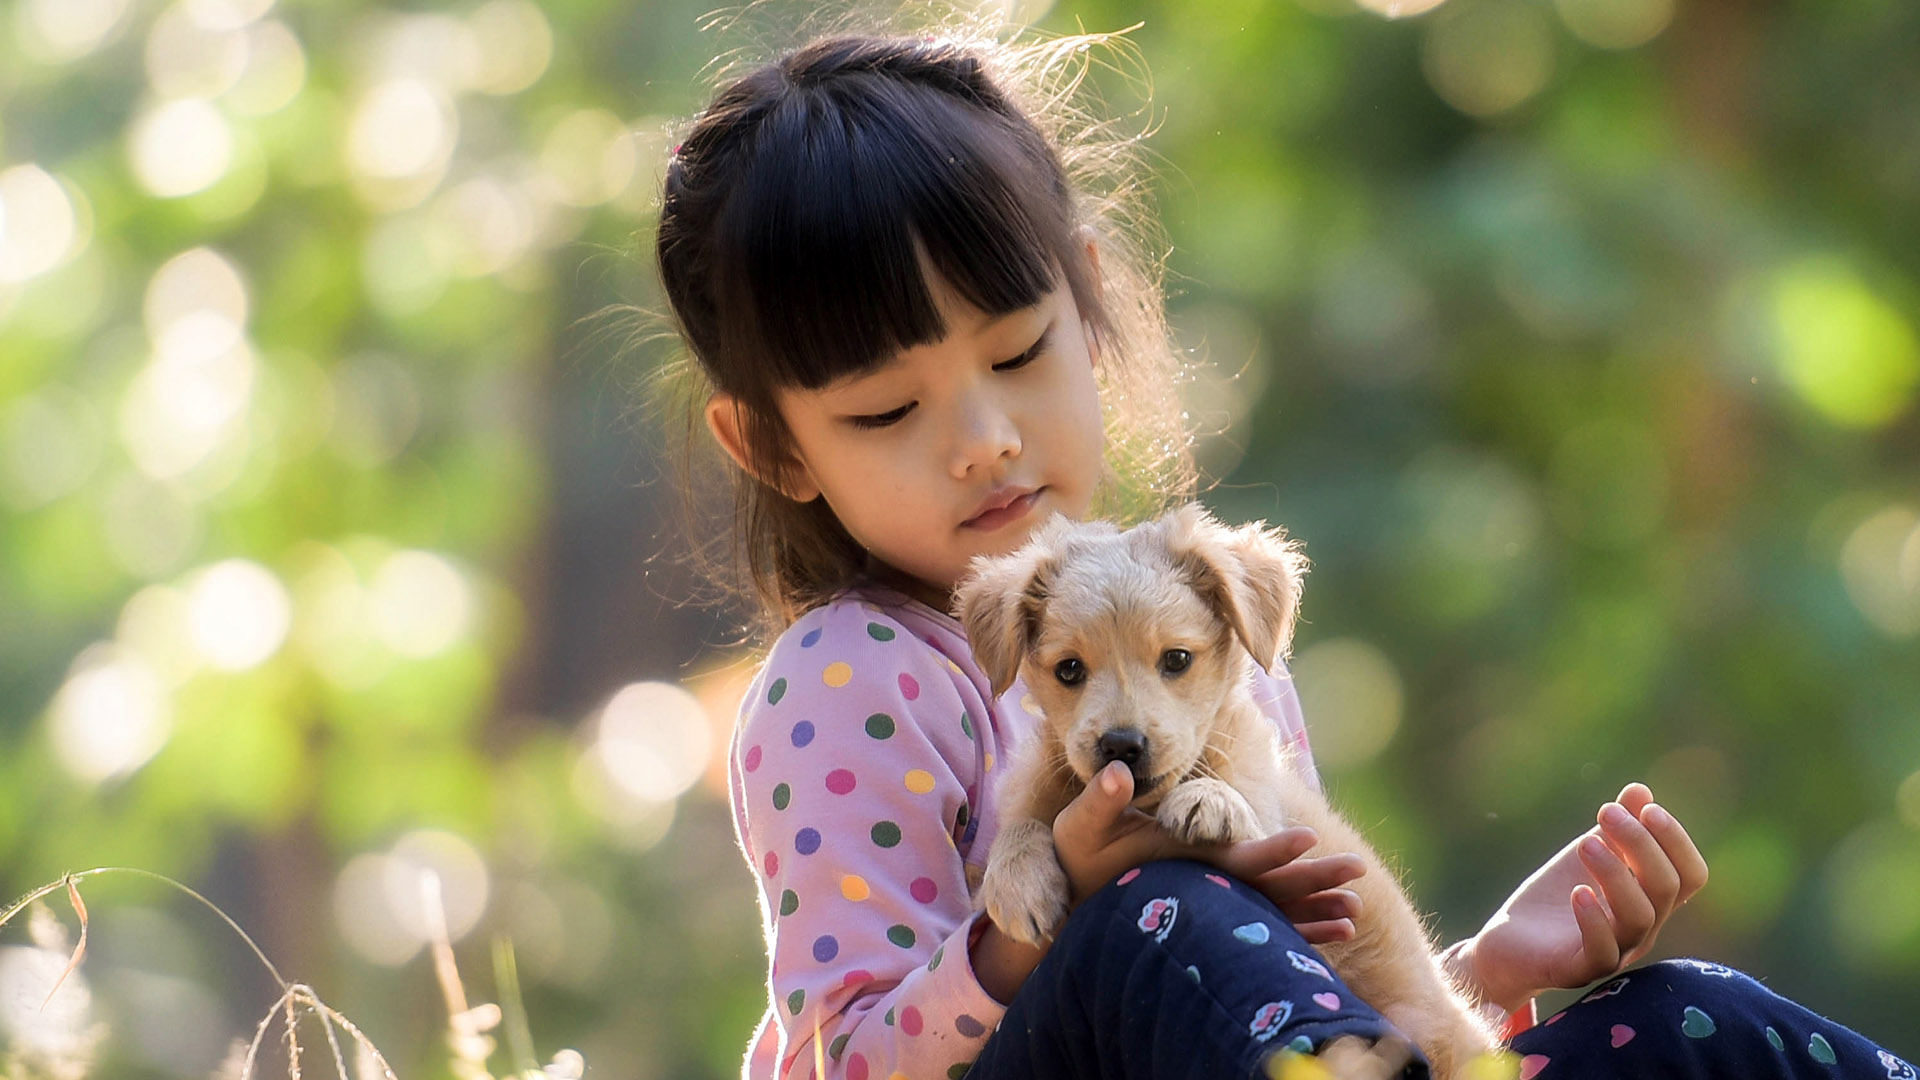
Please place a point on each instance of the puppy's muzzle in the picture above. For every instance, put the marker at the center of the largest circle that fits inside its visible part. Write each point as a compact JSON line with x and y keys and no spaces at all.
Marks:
{"x":1127,"y":745}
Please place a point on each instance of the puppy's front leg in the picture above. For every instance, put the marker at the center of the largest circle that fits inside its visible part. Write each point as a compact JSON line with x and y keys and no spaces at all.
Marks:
{"x":1024,"y":890}
{"x":1208,"y":811}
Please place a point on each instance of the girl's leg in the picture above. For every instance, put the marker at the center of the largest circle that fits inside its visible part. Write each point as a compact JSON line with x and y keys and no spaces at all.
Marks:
{"x":1174,"y":970}
{"x":1692,"y":1019}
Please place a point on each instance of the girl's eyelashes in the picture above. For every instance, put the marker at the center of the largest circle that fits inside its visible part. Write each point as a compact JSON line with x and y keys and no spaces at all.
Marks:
{"x":1033,"y":353}
{"x":885,"y":419}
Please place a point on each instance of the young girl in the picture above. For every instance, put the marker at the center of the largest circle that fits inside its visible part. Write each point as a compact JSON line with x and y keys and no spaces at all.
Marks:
{"x":919,"y":338}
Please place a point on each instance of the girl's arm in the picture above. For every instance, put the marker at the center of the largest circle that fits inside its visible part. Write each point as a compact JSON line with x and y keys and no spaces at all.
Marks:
{"x":852,"y":771}
{"x":1001,"y":963}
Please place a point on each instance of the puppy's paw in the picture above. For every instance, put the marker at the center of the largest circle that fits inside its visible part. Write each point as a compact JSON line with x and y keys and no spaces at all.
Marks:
{"x":1027,"y":902}
{"x":1351,"y":1057}
{"x":1024,"y":891}
{"x":1208,"y":811}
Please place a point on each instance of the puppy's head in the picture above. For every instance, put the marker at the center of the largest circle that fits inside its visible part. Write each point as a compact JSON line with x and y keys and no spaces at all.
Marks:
{"x":1132,"y":641}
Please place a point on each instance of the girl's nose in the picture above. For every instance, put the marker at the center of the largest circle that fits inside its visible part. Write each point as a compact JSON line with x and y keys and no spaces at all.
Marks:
{"x":987,"y":434}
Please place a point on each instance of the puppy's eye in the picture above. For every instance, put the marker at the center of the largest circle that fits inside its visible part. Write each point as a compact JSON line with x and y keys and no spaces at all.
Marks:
{"x":1175,"y":661}
{"x":1070,"y":672}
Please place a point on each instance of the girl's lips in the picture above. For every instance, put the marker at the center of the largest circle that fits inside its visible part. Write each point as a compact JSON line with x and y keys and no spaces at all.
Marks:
{"x":1013,"y":511}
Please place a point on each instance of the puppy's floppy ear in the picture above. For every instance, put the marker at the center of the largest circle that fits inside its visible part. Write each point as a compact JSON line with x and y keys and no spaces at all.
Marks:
{"x":999,"y":603}
{"x":1251,"y":576}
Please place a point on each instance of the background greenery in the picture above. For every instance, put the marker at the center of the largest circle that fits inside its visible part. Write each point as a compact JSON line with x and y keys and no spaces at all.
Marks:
{"x":1576,"y":337}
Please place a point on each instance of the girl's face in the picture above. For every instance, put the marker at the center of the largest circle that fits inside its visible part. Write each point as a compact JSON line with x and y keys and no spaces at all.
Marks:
{"x":960,"y":447}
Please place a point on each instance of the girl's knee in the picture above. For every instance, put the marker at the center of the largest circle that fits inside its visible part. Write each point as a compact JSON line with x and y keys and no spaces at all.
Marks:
{"x":1160,"y":898}
{"x":1696,"y":980}
{"x":1667,"y":978}
{"x":1150,"y":895}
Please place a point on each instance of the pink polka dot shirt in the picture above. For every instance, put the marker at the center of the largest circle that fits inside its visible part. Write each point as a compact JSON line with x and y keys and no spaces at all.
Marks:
{"x":863,"y":773}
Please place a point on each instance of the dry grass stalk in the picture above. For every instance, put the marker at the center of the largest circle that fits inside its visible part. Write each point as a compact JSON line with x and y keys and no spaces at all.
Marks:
{"x":467,"y":1025}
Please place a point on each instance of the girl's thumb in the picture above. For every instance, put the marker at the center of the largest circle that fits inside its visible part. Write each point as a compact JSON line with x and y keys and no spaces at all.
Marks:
{"x":1089,"y":820}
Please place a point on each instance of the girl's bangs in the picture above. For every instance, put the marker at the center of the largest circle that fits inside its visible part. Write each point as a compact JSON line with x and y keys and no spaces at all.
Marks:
{"x":857,"y":191}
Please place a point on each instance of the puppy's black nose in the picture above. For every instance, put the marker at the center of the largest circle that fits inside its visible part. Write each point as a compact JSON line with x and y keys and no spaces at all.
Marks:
{"x":1122,"y":744}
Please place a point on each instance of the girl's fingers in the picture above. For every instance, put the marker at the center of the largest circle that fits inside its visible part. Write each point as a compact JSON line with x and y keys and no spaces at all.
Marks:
{"x":1333,"y":905}
{"x":1307,"y":876}
{"x":1249,"y":859}
{"x":1651,"y":865}
{"x":1253,"y":857}
{"x":1598,"y":944}
{"x":1635,"y":797}
{"x":1634,"y":915}
{"x":1327,"y":932}
{"x":1098,"y":811}
{"x":1688,"y":863}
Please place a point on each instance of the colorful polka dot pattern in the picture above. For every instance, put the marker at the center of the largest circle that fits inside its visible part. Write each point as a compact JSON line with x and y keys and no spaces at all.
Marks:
{"x":862,"y":748}
{"x":863,"y":775}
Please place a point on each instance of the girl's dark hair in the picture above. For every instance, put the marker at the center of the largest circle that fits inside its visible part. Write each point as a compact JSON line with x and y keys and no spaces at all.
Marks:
{"x":803,"y":212}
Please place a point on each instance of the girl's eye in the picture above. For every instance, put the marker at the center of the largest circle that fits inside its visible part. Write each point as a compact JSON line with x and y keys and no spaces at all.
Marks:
{"x":1033,"y":353}
{"x":1175,"y":661}
{"x":880,"y":420}
{"x":1070,"y":672}
{"x":1018,"y":362}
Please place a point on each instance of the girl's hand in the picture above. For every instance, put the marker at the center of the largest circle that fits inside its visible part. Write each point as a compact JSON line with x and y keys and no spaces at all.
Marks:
{"x":1594,"y":908}
{"x":1099,"y":836}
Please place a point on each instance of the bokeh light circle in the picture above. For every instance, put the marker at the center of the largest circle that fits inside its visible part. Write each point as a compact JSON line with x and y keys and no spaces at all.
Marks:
{"x":240,"y":614}
{"x":652,"y":740}
{"x":111,"y":715}
{"x":515,"y":43}
{"x":180,"y":147}
{"x":1399,"y":9}
{"x":188,"y":59}
{"x":1880,"y":564}
{"x":1353,"y":692}
{"x":403,"y":128}
{"x":39,"y":223}
{"x":58,"y":31}
{"x":1616,"y":24}
{"x":1487,"y":59}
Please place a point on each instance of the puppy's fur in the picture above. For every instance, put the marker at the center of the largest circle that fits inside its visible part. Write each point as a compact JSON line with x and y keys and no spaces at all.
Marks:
{"x":1211,"y":766}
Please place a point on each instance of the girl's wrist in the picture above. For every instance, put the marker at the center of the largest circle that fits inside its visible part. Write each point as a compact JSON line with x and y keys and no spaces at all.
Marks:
{"x":1459,"y":961}
{"x":1000,"y":963}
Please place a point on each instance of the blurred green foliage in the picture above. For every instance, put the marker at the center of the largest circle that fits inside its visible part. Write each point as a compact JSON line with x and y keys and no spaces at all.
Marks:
{"x":1577,"y":339}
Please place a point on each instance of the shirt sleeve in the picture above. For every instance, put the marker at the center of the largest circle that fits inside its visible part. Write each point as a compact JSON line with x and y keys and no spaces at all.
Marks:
{"x":855,"y":754}
{"x":1277,"y":698}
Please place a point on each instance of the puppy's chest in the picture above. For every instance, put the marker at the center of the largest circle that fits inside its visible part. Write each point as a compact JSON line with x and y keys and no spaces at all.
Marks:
{"x":1263,"y":770}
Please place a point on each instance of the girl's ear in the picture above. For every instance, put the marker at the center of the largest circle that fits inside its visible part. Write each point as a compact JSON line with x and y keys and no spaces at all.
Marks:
{"x":727,"y":419}
{"x":1090,"y":243}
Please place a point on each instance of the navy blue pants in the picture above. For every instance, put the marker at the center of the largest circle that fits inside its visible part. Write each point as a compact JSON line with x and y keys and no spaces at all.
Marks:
{"x":1176,"y":970}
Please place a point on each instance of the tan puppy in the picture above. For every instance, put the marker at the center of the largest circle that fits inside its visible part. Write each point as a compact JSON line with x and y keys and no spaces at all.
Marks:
{"x":1128,"y":644}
